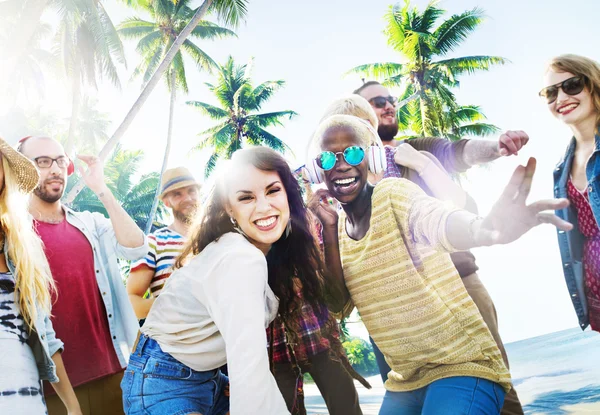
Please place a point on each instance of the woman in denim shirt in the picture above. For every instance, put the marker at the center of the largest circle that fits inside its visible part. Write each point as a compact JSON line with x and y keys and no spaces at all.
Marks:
{"x":30,"y":349}
{"x":572,"y":94}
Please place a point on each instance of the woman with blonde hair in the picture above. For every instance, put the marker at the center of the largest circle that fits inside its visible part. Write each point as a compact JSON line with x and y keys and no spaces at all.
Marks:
{"x":30,"y":349}
{"x":572,"y":94}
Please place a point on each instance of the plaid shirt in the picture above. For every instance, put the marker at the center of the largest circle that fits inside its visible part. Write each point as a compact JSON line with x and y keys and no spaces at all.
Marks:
{"x":311,"y":340}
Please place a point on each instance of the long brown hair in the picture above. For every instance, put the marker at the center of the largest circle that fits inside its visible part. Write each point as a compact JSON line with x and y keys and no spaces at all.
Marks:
{"x":296,"y":255}
{"x":581,"y":66}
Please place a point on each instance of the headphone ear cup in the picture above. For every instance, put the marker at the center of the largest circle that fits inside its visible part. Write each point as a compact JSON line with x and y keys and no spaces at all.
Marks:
{"x":70,"y":168}
{"x":315,"y":175}
{"x":377,"y":160}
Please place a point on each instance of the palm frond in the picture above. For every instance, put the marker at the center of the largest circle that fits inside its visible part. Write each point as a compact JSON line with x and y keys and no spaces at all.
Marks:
{"x":375,"y":71}
{"x":213,"y":112}
{"x":456,"y":29}
{"x":209,"y":31}
{"x":230,"y":12}
{"x":470,"y":64}
{"x":200,"y":58}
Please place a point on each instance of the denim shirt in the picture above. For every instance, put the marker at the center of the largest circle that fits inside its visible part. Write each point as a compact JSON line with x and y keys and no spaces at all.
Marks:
{"x":42,"y":340}
{"x":571,"y":243}
{"x":122,"y":322}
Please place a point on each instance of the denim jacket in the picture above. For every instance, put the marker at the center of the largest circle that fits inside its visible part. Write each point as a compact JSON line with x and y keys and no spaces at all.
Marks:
{"x":122,"y":322}
{"x":571,"y":243}
{"x":42,"y":340}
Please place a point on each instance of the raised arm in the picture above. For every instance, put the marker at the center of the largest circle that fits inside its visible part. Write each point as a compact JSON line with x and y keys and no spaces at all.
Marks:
{"x":128,"y":234}
{"x":459,"y":156}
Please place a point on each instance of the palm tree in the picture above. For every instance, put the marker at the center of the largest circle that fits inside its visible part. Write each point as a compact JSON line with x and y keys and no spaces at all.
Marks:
{"x":90,"y":48}
{"x":30,"y":65}
{"x":239,"y":119}
{"x":427,"y":74}
{"x":135,"y":194}
{"x":231,"y":12}
{"x":92,"y":129}
{"x":157,"y":36}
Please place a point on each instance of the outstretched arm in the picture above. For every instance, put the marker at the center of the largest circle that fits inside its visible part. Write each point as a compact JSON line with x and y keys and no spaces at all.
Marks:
{"x":478,"y":152}
{"x":432,"y":173}
{"x":510,"y":217}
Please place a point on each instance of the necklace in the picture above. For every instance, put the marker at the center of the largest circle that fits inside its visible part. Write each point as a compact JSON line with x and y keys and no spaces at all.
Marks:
{"x":51,"y":220}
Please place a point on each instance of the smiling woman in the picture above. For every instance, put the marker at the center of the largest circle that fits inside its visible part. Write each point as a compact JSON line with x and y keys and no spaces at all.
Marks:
{"x":572,"y":95}
{"x":251,"y":249}
{"x":392,"y":241}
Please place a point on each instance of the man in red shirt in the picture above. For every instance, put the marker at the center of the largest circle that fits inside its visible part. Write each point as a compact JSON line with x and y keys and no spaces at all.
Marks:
{"x":91,"y":311}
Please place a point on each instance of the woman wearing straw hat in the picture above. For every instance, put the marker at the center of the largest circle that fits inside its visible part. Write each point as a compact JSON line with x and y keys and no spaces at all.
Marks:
{"x":30,"y":349}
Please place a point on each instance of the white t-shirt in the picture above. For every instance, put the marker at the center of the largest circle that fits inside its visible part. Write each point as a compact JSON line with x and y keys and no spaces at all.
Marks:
{"x":214,"y":311}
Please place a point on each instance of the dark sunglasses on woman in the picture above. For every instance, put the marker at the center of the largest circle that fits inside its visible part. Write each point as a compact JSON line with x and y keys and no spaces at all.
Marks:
{"x":381,"y":102}
{"x":571,"y":86}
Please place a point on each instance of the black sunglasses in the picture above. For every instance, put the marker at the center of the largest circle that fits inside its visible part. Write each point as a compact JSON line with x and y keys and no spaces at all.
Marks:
{"x":571,"y":86}
{"x":381,"y":102}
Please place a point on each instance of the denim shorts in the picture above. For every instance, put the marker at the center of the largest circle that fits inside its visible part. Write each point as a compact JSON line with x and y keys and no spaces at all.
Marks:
{"x":157,"y":383}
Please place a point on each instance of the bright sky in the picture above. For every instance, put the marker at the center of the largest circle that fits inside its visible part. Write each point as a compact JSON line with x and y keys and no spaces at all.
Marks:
{"x":312,"y":43}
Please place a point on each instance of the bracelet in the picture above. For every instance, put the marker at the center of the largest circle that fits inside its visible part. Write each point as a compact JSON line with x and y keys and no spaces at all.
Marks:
{"x":471,"y":231}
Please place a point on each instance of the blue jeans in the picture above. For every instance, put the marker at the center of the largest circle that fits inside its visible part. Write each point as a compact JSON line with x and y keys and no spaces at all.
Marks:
{"x":157,"y":383}
{"x":452,"y":396}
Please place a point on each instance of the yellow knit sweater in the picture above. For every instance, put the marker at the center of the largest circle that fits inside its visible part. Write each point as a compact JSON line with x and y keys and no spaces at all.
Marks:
{"x":410,"y":296}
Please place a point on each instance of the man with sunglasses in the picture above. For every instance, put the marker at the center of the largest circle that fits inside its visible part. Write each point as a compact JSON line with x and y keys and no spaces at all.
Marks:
{"x":456,"y":157}
{"x":91,"y":310}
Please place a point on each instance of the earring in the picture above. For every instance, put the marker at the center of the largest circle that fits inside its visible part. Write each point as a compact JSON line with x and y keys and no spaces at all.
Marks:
{"x":237,"y":227}
{"x":288,"y":228}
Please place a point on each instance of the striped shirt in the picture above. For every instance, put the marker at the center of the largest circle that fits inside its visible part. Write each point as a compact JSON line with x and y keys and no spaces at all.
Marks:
{"x":164,"y":247}
{"x":410,"y":296}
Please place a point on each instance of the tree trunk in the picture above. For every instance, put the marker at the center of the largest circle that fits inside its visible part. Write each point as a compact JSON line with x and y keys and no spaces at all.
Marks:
{"x":137,"y":106}
{"x":167,"y":152}
{"x":75,"y":106}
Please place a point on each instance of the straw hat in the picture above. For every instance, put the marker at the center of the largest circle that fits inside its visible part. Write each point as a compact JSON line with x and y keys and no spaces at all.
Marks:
{"x":24,"y":170}
{"x":176,"y":178}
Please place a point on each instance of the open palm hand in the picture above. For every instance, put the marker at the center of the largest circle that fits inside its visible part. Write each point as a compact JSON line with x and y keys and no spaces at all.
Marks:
{"x":511,"y":217}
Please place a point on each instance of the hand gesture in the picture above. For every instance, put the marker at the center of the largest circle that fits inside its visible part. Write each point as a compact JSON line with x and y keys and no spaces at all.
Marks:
{"x":511,"y":142}
{"x":406,"y":155}
{"x":94,"y":176}
{"x":321,"y":205}
{"x":510,"y":217}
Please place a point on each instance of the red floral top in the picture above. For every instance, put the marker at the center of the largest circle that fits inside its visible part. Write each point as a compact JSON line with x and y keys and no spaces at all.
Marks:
{"x":591,"y":250}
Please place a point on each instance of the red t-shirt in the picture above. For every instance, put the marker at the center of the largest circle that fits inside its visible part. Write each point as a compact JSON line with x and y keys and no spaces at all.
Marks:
{"x":78,"y":312}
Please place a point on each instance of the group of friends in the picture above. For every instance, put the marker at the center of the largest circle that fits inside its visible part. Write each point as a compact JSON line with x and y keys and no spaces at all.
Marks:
{"x":227,"y":308}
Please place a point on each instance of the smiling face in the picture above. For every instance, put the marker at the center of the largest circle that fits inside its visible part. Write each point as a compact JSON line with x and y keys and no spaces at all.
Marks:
{"x":345,"y":182}
{"x":570,"y":109}
{"x":388,"y":124}
{"x":258,"y":202}
{"x":184,"y":202}
{"x":52,"y":179}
